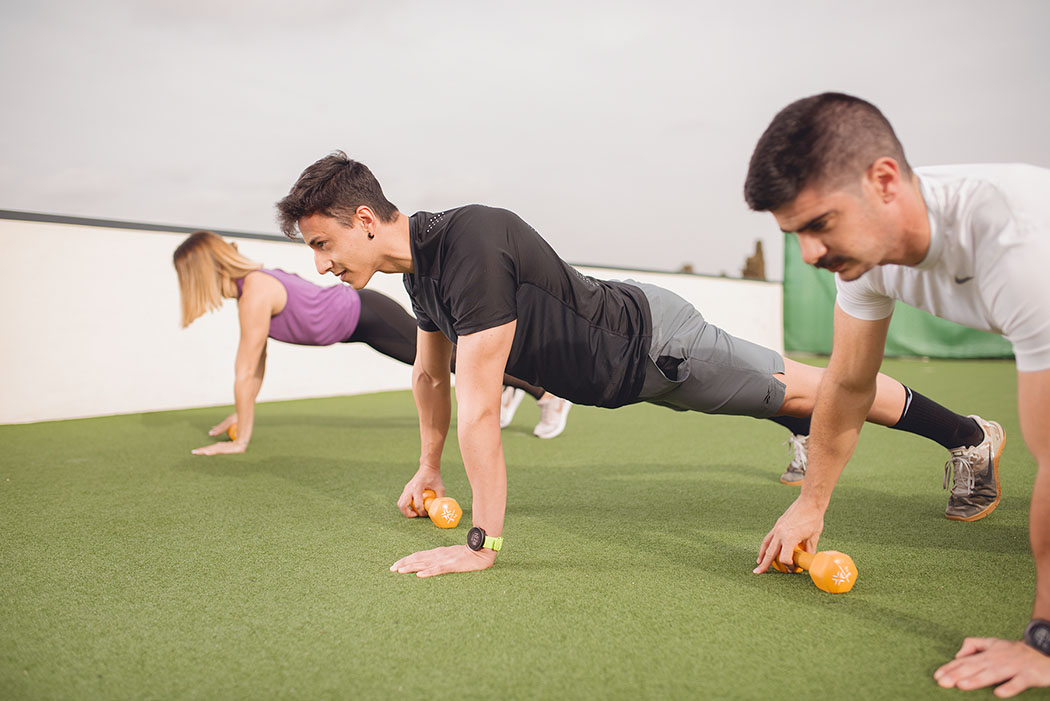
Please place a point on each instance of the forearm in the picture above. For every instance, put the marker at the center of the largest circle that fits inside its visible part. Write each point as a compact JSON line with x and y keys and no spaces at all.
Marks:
{"x":840,"y":414}
{"x":246,"y":388}
{"x":482,"y":451}
{"x":433,"y":403}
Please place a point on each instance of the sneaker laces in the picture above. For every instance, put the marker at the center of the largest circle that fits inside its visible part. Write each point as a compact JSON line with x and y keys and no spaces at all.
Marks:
{"x":960,"y":466}
{"x":798,"y":444}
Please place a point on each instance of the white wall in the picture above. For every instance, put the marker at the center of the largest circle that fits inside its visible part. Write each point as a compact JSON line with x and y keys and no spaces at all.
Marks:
{"x":90,"y":320}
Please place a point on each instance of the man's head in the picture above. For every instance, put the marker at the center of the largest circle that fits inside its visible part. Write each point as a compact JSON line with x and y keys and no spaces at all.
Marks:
{"x":334,"y":186}
{"x":826,"y":141}
{"x":830,"y":168}
{"x":339,"y":207}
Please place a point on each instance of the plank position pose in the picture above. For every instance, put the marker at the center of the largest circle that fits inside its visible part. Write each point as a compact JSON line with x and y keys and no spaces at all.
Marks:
{"x":484,"y":279}
{"x":274,"y":304}
{"x":966,"y":243}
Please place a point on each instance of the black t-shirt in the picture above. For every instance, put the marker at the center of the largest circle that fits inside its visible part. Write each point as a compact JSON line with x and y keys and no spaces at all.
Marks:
{"x":476,"y":268}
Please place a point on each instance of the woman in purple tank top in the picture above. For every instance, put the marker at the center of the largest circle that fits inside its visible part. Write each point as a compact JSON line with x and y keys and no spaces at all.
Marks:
{"x":283,"y":306}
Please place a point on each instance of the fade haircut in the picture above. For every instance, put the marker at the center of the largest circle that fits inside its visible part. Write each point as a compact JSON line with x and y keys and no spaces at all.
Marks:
{"x":334,"y":186}
{"x":827,"y":140}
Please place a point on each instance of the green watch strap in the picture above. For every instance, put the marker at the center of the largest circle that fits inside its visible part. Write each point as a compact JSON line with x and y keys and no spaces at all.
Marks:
{"x":493,"y":543}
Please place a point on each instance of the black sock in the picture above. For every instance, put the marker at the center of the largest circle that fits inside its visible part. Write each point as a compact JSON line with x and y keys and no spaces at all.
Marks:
{"x":799,"y":427}
{"x":929,"y":419}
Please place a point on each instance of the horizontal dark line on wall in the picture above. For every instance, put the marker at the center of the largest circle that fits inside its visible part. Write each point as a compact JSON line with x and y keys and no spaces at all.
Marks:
{"x":137,"y":226}
{"x":17,"y":215}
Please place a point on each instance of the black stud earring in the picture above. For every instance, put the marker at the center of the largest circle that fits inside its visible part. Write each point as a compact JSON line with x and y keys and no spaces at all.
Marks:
{"x":371,"y":235}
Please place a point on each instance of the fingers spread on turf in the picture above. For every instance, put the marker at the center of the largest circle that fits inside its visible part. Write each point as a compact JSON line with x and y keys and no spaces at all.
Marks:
{"x":762,"y":548}
{"x":451,"y":558}
{"x":974,"y":645}
{"x":990,"y":661}
{"x":770,"y":549}
{"x":220,"y":448}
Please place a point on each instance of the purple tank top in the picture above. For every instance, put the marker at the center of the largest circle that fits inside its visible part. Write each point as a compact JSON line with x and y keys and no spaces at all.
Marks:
{"x":314,"y":315}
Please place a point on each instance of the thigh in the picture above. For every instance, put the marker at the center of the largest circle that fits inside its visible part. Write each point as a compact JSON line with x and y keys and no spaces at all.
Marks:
{"x":714,"y":372}
{"x":385,"y":326}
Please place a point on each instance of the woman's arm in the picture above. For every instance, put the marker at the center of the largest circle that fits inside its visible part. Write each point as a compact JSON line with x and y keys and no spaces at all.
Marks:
{"x":261,"y":294}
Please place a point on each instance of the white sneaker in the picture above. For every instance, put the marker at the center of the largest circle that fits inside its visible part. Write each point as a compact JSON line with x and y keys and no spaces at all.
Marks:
{"x":554,"y":412}
{"x":509,"y":403}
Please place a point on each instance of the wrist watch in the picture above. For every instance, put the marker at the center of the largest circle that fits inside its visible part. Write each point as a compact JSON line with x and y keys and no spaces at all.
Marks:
{"x":1037,"y":635}
{"x":476,"y":540}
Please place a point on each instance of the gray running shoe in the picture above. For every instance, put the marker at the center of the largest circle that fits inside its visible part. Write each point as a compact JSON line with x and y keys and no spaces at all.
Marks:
{"x":796,"y":471}
{"x":975,"y":475}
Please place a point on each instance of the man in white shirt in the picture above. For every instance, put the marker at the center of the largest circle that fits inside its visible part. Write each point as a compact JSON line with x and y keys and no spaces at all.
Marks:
{"x":966,"y":243}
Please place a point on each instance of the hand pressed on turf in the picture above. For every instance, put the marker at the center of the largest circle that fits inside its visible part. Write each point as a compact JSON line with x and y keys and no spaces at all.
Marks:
{"x":451,"y":558}
{"x":222,"y":448}
{"x":220,"y":428}
{"x":801,"y":524}
{"x":983,"y":662}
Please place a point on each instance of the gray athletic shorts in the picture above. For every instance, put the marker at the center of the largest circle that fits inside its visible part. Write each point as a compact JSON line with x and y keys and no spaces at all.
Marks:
{"x":696,"y":366}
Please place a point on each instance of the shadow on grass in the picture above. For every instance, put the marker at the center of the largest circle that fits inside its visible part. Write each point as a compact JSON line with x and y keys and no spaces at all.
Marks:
{"x":677,"y":499}
{"x":204,"y":419}
{"x":331,"y":478}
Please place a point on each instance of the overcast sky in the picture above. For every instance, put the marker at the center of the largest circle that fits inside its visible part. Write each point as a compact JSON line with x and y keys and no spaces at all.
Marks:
{"x":621,"y":131}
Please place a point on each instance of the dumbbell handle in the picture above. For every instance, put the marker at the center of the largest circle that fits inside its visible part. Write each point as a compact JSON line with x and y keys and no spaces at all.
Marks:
{"x":802,"y":558}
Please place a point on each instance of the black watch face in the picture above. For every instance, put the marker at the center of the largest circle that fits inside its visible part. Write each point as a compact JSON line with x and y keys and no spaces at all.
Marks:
{"x":1038,"y":636}
{"x":475,"y":538}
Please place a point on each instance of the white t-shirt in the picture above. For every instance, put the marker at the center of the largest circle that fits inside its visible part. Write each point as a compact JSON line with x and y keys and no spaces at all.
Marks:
{"x":988,"y":266}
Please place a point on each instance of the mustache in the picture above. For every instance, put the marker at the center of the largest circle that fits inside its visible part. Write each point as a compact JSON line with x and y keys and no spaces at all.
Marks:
{"x":829,"y":261}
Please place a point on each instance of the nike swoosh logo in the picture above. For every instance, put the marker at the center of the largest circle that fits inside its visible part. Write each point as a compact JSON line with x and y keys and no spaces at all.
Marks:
{"x":961,"y":280}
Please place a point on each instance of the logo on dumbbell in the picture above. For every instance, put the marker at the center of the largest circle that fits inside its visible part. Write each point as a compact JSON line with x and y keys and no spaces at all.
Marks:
{"x":449,"y":515}
{"x":842,"y":576}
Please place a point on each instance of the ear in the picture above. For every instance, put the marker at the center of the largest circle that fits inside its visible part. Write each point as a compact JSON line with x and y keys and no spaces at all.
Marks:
{"x":367,"y":216}
{"x":884,"y":178}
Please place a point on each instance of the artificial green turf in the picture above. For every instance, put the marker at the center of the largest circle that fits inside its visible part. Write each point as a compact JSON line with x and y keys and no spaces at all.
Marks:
{"x":132,"y":569}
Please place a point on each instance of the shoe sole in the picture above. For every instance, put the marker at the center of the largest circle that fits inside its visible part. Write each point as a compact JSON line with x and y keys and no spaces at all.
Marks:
{"x":998,"y":492}
{"x":796,"y":483}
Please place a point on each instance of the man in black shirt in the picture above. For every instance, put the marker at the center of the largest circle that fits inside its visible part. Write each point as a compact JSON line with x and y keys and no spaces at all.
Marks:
{"x":484,"y":280}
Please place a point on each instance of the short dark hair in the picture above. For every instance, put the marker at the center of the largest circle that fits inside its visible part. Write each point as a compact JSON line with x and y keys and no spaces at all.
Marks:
{"x":334,"y":186}
{"x":827,"y":139}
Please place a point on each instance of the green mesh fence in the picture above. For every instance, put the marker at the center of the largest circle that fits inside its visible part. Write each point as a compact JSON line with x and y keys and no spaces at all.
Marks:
{"x":809,"y":298}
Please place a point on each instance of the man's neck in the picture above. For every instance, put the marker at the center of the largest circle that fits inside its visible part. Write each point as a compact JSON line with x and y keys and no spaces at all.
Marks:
{"x":916,"y":223}
{"x":397,"y":248}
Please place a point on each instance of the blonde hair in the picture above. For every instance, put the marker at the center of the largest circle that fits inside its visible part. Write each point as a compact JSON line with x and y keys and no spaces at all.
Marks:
{"x":208,"y":268}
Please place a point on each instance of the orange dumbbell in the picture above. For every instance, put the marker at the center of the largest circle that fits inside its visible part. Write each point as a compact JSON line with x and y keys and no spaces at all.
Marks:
{"x":232,"y":432}
{"x":830,"y":570}
{"x":443,"y":511}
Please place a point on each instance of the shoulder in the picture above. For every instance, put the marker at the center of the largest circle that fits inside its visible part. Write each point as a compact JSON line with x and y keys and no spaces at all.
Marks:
{"x":866,"y":297}
{"x":986,"y":196}
{"x":263,"y":285}
{"x":260,"y":279}
{"x":472,"y":229}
